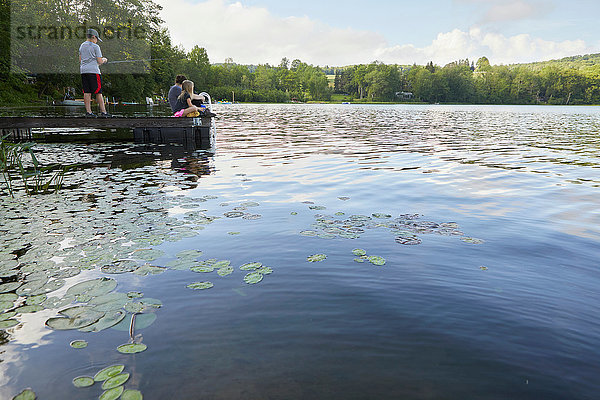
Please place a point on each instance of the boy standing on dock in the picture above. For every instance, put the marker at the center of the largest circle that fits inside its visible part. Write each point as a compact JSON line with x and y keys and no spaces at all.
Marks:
{"x":90,"y":59}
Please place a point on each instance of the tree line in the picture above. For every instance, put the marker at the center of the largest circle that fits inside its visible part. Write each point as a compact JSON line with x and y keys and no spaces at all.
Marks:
{"x":574,"y":80}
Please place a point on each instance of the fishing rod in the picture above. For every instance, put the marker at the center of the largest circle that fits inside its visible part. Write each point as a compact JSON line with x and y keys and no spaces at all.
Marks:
{"x":130,"y":61}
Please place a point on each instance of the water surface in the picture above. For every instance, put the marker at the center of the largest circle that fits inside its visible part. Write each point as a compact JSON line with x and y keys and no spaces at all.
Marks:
{"x":512,"y":314}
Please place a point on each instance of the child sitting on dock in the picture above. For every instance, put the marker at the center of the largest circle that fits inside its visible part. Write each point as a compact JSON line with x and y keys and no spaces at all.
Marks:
{"x":184,"y":106}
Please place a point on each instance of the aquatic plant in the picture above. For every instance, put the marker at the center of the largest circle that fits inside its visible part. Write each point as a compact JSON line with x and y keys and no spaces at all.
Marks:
{"x":35,"y":179}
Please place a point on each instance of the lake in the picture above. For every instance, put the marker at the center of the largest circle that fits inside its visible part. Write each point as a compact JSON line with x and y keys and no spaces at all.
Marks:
{"x":322,"y":252}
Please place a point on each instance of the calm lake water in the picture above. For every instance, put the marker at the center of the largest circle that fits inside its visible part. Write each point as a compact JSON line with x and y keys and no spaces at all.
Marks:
{"x":488,"y":219}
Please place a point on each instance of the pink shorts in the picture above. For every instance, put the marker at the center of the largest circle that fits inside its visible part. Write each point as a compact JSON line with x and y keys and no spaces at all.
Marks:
{"x":179,"y":113}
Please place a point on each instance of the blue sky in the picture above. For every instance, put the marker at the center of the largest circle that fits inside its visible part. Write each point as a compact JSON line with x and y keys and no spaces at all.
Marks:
{"x":351,"y":31}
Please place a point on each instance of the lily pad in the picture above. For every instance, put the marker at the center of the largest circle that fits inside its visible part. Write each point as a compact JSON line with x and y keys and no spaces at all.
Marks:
{"x":93,"y":287}
{"x":147,"y":269}
{"x":200,"y":285}
{"x":135,"y":295}
{"x":131,"y":394}
{"x":112,"y":394}
{"x":472,"y":240}
{"x":408,"y":240}
{"x":309,"y":233}
{"x":85,"y":318}
{"x":29,"y":309}
{"x":376,"y":260}
{"x":142,"y":321}
{"x":83,"y":381}
{"x":316,"y":257}
{"x":7,"y":315}
{"x":134,"y":307}
{"x":78,"y":344}
{"x":202,"y":268}
{"x":381,"y":215}
{"x":224,"y":271}
{"x":359,"y":260}
{"x":148,"y":254}
{"x":5,"y":305}
{"x":108,"y":372}
{"x":233,"y":214}
{"x":116,"y":380}
{"x":189,"y":254}
{"x":110,"y":319}
{"x":119,"y":268}
{"x":8,"y":297}
{"x":359,"y":252}
{"x":253,"y":277}
{"x":26,"y":394}
{"x":36,"y":300}
{"x":131,"y":348}
{"x":317,"y":207}
{"x":233,"y":233}
{"x":8,"y":323}
{"x":265,"y":270}
{"x":251,"y":266}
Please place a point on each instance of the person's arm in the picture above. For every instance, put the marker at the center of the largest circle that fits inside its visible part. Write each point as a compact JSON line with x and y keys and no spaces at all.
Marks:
{"x":101,"y":60}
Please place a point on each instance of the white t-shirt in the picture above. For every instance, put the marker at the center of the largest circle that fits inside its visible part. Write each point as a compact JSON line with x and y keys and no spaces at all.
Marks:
{"x":88,"y":52}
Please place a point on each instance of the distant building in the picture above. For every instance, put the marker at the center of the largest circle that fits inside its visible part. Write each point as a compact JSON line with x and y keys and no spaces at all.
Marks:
{"x":405,"y":95}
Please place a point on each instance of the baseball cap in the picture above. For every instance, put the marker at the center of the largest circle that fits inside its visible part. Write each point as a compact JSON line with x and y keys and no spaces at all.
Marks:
{"x":93,"y":32}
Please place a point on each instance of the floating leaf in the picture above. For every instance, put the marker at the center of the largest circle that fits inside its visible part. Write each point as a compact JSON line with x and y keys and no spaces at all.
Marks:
{"x":472,"y":240}
{"x":233,"y":233}
{"x":251,"y":216}
{"x":293,"y":213}
{"x":29,"y":309}
{"x":316,"y":257}
{"x":93,"y":287}
{"x":148,"y":254}
{"x":112,"y":394}
{"x":200,"y":285}
{"x":80,"y":320}
{"x":224,"y":271}
{"x":409,"y":241}
{"x":8,"y":323}
{"x":78,"y":344}
{"x":36,"y":300}
{"x":108,"y":372}
{"x":8,"y":297}
{"x":189,"y":254}
{"x":309,"y":233}
{"x":119,"y":268}
{"x":131,"y":394}
{"x":359,"y":252}
{"x":483,"y":268}
{"x":134,"y":307}
{"x":253,"y":277}
{"x":359,"y":260}
{"x":381,"y":215}
{"x":317,"y":207}
{"x":376,"y":260}
{"x":344,"y":198}
{"x":265,"y":270}
{"x":83,"y":381}
{"x":233,"y":214}
{"x":7,"y":315}
{"x":26,"y":394}
{"x":142,"y":321}
{"x":116,"y":380}
{"x":110,"y":319}
{"x":5,"y":305}
{"x":339,"y":214}
{"x":134,"y":295}
{"x":147,"y":269}
{"x":131,"y":348}
{"x":203,"y":268}
{"x":251,"y":266}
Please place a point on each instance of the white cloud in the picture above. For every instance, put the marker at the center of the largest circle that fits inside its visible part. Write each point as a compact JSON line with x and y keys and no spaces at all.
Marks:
{"x":252,"y":35}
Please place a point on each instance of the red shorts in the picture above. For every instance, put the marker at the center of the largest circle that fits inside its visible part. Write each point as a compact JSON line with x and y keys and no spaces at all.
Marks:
{"x":92,"y":83}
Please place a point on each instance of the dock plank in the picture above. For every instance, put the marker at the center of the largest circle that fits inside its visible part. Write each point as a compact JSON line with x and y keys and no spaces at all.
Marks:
{"x":98,"y":123}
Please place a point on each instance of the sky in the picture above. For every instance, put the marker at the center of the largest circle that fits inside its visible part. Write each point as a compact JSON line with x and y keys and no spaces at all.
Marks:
{"x":348,"y":32}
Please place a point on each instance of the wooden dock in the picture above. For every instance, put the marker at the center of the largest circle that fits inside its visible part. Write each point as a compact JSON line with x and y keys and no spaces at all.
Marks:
{"x":159,"y":130}
{"x":100,"y":123}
